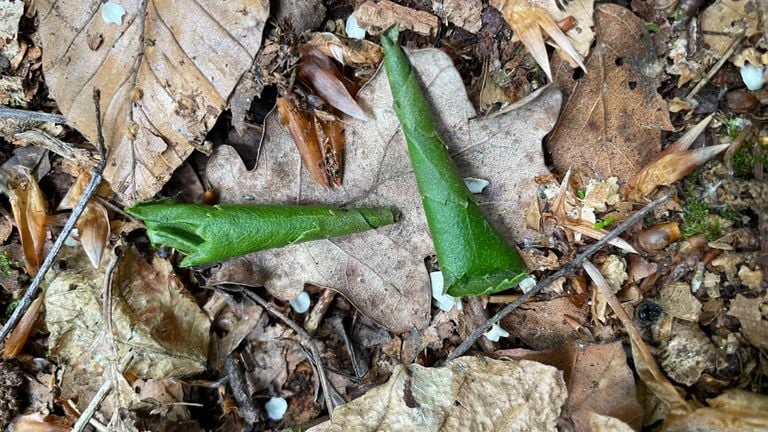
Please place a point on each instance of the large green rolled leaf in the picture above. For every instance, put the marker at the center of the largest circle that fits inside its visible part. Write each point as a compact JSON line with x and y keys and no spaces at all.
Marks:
{"x":473,"y":256}
{"x":213,"y":233}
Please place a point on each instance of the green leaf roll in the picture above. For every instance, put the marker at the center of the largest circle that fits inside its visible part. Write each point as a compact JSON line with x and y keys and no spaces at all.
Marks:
{"x":473,"y":256}
{"x":208,"y":234}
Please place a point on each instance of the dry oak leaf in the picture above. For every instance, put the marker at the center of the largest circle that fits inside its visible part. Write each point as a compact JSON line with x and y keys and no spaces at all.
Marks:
{"x":751,"y":313}
{"x":165,"y":75}
{"x":382,"y":272}
{"x":612,"y":120}
{"x":468,"y":394}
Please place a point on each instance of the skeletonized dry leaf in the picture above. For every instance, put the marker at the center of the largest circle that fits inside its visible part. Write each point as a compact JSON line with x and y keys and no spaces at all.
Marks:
{"x":165,"y":75}
{"x":382,"y":272}
{"x":688,"y":354}
{"x":611,"y":123}
{"x":152,"y":315}
{"x":469,"y":393}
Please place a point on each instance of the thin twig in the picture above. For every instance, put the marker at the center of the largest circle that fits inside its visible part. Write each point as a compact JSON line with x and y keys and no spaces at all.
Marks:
{"x":90,"y":189}
{"x":728,"y":53}
{"x":302,"y":334}
{"x":40,"y":116}
{"x":570,"y":267}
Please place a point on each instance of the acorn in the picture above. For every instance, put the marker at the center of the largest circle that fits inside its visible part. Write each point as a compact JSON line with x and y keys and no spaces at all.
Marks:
{"x":659,"y":236}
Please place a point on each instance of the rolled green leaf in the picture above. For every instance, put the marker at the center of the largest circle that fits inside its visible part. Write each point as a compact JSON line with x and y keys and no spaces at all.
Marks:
{"x":473,"y":256}
{"x":208,"y":234}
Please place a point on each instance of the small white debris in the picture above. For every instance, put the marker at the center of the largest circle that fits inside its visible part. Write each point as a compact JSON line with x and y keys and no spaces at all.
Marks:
{"x":527,"y":284}
{"x":753,"y":76}
{"x":353,"y":29}
{"x":476,"y":185}
{"x":112,"y":13}
{"x":301,"y":303}
{"x":71,"y":239}
{"x":443,"y":301}
{"x":276,"y":408}
{"x":495,"y":333}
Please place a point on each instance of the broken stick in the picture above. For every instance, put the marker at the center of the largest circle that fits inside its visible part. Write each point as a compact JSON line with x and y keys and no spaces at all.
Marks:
{"x":564,"y":271}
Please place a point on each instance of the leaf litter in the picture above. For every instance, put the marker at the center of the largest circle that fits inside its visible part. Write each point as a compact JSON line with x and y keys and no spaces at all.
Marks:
{"x":396,"y":292}
{"x":692,"y":274}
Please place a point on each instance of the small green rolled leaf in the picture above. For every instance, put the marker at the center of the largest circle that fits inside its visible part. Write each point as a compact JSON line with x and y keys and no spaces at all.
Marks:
{"x":473,"y":256}
{"x":208,"y":234}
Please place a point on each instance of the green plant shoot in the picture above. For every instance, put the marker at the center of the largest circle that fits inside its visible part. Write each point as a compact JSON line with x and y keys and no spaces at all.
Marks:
{"x":208,"y":234}
{"x":473,"y":256}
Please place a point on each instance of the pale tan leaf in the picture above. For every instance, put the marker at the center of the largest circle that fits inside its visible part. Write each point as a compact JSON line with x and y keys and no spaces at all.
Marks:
{"x":601,"y":423}
{"x":152,"y":316}
{"x":469,"y":393}
{"x":735,"y":410}
{"x":94,"y":230}
{"x":382,"y":272}
{"x":612,"y":121}
{"x":165,"y":75}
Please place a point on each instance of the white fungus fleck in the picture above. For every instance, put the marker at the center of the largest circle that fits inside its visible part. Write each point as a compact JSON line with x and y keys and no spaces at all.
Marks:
{"x":276,"y":408}
{"x":443,"y":301}
{"x":301,"y":303}
{"x":353,"y":29}
{"x":527,"y":284}
{"x":496,"y":333}
{"x":112,"y":13}
{"x":476,"y":185}
{"x":753,"y":76}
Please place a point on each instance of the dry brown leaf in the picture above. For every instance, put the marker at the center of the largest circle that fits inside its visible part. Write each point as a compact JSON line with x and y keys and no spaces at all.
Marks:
{"x":542,"y":325}
{"x":674,"y":163}
{"x":382,"y":272}
{"x":19,"y":335}
{"x":151,"y":314}
{"x":28,"y":207}
{"x":470,"y":393}
{"x":751,"y":315}
{"x":612,"y":121}
{"x":598,"y":380}
{"x":165,"y":75}
{"x":94,"y":230}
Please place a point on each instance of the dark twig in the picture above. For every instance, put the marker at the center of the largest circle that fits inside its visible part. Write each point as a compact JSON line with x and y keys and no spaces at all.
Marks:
{"x":96,"y":177}
{"x":566,"y":270}
{"x":307,"y":339}
{"x":40,"y":116}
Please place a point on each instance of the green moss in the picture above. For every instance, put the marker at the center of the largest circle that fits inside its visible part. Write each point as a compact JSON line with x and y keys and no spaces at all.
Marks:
{"x":5,"y":263}
{"x":698,"y":219}
{"x":744,"y":159}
